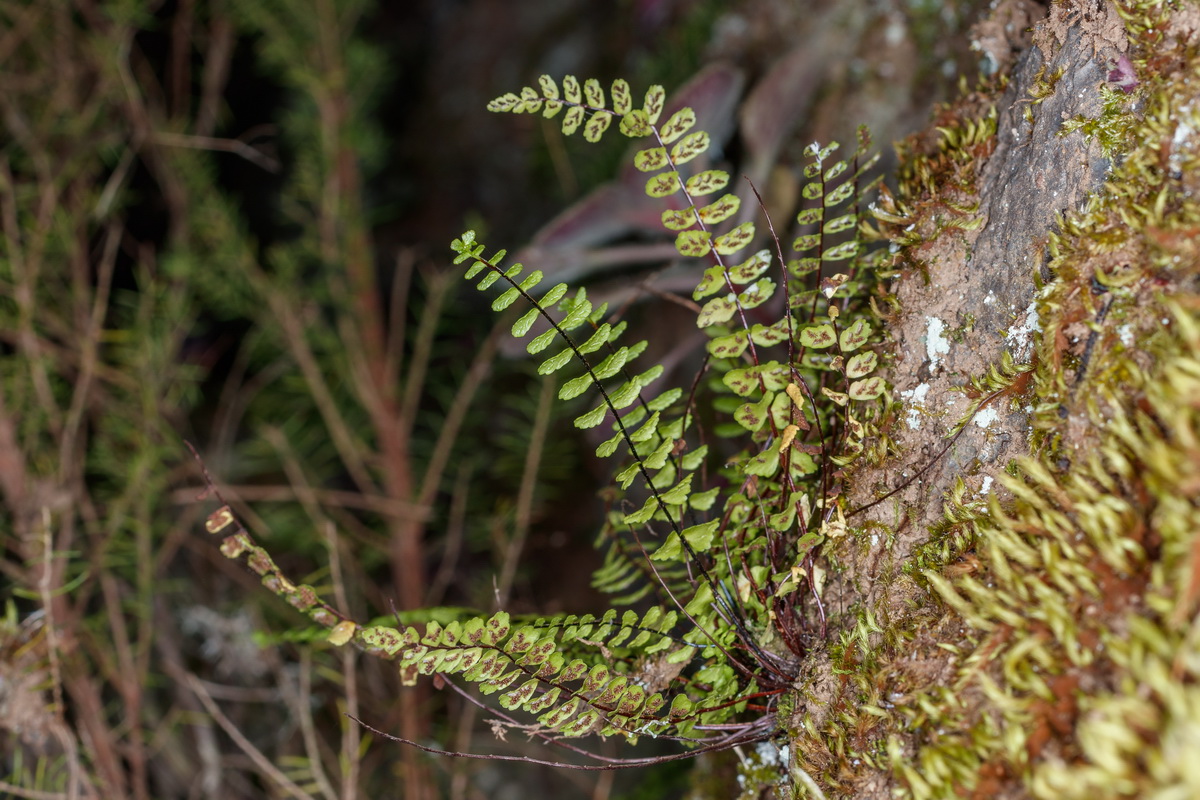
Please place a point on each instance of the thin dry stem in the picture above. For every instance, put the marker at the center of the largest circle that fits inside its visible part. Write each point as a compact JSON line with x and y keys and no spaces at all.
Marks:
{"x":349,"y":446}
{"x":529,"y":481}
{"x":303,"y":706}
{"x":261,"y":761}
{"x":351,"y":737}
{"x":239,"y":147}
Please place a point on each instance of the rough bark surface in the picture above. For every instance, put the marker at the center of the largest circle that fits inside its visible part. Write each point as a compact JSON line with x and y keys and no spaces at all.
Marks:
{"x":1033,"y":175}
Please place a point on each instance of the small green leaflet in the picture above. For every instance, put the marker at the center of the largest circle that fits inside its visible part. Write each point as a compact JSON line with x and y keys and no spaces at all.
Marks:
{"x":522,"y":326}
{"x":572,"y":120}
{"x":765,"y":464}
{"x":735,"y":240}
{"x":713,"y":281}
{"x":839,"y":195}
{"x":867,"y":389}
{"x":597,"y":340}
{"x":555,"y":362}
{"x":594,"y":93}
{"x":818,"y":336}
{"x":622,"y":100}
{"x":693,"y":243}
{"x":592,"y":418}
{"x":635,"y":124}
{"x":651,"y":160}
{"x":861,"y":364}
{"x":664,"y":184}
{"x":717,"y":310}
{"x":674,"y":220}
{"x":751,"y":416}
{"x":730,"y":346}
{"x":596,"y":126}
{"x":842,"y":252}
{"x":575,"y":387}
{"x":700,"y":538}
{"x":571,"y":89}
{"x":679,"y":124}
{"x":541,"y":342}
{"x":721,"y":210}
{"x":689,"y":147}
{"x":751,"y":268}
{"x":707,"y":182}
{"x":655,"y":98}
{"x":855,"y":336}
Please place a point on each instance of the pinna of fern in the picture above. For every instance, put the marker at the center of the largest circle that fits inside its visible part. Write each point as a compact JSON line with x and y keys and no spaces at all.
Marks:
{"x":712,"y":550}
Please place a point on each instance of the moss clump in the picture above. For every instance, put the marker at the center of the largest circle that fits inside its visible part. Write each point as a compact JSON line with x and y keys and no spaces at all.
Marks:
{"x":1050,"y":646}
{"x":938,"y":177}
{"x":1111,"y":128}
{"x":1077,"y":676}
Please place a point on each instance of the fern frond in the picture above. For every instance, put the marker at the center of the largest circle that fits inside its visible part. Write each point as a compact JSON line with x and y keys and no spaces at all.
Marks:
{"x":569,"y":697}
{"x":585,"y":106}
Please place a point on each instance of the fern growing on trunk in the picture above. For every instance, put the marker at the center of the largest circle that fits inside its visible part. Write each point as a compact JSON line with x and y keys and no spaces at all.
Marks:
{"x":722,"y":528}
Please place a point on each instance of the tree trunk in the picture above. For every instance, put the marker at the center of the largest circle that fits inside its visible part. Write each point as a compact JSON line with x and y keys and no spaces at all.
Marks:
{"x":1033,"y":634}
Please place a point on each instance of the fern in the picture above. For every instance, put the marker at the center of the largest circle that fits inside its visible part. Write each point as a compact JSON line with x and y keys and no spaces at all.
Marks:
{"x":723,"y":552}
{"x":826,"y":374}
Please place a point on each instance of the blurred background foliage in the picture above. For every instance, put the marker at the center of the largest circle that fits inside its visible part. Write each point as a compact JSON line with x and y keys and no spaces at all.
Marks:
{"x":226,"y":224}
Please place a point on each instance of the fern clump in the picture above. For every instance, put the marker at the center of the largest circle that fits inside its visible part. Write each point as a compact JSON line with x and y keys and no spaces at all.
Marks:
{"x":711,"y":551}
{"x":725,"y":554}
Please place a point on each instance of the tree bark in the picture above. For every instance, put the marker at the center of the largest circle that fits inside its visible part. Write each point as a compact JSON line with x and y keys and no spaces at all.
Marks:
{"x":931,"y":622}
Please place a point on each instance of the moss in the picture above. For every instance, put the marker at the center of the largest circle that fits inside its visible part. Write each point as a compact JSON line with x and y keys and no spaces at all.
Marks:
{"x":958,"y":334}
{"x":1050,"y":647}
{"x":1044,"y":85}
{"x":1081,"y":657}
{"x":1112,"y":128}
{"x":1077,"y":675}
{"x":938,"y":174}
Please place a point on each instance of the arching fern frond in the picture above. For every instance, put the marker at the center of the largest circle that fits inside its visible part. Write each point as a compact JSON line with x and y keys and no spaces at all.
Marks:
{"x":586,"y":107}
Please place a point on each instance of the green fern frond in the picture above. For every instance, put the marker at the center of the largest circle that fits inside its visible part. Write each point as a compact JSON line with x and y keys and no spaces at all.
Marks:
{"x":569,"y":697}
{"x":586,"y":107}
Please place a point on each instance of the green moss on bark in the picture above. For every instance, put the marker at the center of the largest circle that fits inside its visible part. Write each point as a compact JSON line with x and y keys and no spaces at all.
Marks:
{"x":1044,"y":642}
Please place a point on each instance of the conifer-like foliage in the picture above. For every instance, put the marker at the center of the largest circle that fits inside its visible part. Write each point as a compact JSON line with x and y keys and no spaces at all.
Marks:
{"x":728,"y":481}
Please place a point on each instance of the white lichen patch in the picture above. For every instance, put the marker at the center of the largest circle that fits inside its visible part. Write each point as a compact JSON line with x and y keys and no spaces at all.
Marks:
{"x":986,"y":416}
{"x":771,"y":755}
{"x":915,"y":400}
{"x":762,"y":770}
{"x":1020,"y":335}
{"x":936,"y":345}
{"x":1126,"y":334}
{"x":986,"y":486}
